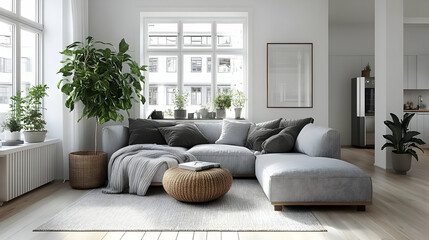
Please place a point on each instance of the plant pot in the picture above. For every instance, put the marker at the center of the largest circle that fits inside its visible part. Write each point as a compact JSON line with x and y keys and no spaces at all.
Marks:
{"x":87,"y":169}
{"x":212,"y":115}
{"x":204,"y":113}
{"x":12,"y":136}
{"x":238,"y":113}
{"x":180,"y":114}
{"x":220,"y":113}
{"x":35,"y":136}
{"x":366,"y":73}
{"x":401,"y":163}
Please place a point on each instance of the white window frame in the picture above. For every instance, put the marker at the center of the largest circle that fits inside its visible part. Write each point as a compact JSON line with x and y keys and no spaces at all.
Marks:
{"x":20,"y":23}
{"x":181,"y":50}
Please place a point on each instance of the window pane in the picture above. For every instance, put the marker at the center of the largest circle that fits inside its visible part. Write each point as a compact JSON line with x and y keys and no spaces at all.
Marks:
{"x":6,"y":4}
{"x":162,"y":82}
{"x":197,"y":35}
{"x":196,"y":80}
{"x":29,"y":9}
{"x":230,"y":35}
{"x":230,"y":75}
{"x":6,"y":65}
{"x":162,"y":35}
{"x":28,"y":59}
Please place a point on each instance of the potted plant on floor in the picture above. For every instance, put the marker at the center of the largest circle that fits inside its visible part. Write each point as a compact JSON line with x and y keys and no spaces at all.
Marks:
{"x":94,"y":75}
{"x":222,"y":102}
{"x":34,"y":124}
{"x":12,"y":126}
{"x":180,"y":101}
{"x":238,"y":101}
{"x":366,"y":72}
{"x":402,"y":141}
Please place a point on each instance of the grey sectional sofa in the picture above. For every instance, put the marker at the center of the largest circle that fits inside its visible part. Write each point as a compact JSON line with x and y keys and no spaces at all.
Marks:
{"x":311,"y":175}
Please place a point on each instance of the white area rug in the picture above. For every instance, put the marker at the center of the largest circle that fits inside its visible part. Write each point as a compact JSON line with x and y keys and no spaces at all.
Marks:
{"x":244,"y":208}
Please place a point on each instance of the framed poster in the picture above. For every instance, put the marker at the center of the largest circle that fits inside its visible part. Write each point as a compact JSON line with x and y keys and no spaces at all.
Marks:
{"x":289,"y":75}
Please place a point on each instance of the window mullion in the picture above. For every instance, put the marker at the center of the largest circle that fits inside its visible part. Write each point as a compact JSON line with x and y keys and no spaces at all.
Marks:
{"x":17,"y":60}
{"x":180,"y":73}
{"x":214,"y":62}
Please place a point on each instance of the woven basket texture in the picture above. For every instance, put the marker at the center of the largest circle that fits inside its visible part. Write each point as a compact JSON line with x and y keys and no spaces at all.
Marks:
{"x":87,"y":170}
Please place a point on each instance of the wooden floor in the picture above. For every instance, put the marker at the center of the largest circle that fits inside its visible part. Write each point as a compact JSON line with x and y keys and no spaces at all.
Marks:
{"x":400,"y":210}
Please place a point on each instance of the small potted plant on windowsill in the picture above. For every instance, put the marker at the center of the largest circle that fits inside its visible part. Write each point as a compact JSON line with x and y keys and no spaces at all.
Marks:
{"x":366,"y":72}
{"x":222,"y":102}
{"x":238,"y":101}
{"x":402,"y":141}
{"x":180,"y":101}
{"x":204,"y":111}
{"x":34,"y":124}
{"x":12,"y":126}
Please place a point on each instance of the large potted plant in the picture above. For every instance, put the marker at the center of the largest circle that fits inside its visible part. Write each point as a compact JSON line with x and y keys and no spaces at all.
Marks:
{"x":180,"y":101}
{"x":222,"y":102}
{"x":94,"y":74}
{"x":34,"y":124}
{"x":12,"y":126}
{"x":238,"y":101}
{"x":403,"y":142}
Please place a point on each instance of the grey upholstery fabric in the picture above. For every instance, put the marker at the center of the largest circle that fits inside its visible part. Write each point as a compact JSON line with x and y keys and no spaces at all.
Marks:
{"x":282,"y":142}
{"x":296,"y":122}
{"x":114,"y":138}
{"x":143,"y":131}
{"x":318,"y":141}
{"x":212,"y":131}
{"x":238,"y":160}
{"x":183,"y":135}
{"x":296,"y":177}
{"x":233,"y":133}
{"x":257,"y":135}
{"x":270,"y":124}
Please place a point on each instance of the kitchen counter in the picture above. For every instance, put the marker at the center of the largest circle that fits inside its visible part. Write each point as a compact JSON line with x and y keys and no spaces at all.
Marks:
{"x":421,"y":110}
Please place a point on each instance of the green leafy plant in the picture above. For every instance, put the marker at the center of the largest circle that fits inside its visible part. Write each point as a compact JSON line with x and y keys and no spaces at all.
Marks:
{"x":13,"y":123}
{"x":239,"y":99}
{"x":402,"y":140}
{"x":180,"y":99}
{"x":168,"y":112}
{"x":96,"y":74}
{"x":223,"y":100}
{"x":32,"y":105}
{"x":367,"y":67}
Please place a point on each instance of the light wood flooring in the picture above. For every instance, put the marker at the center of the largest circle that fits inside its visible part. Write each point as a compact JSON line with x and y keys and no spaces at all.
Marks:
{"x":400,"y":210}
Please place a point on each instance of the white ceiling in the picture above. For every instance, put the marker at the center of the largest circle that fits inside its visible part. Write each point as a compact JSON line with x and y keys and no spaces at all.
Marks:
{"x":345,"y":12}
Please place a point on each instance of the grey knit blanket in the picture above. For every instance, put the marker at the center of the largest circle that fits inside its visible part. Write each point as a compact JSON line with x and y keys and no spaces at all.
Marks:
{"x":132,"y":168}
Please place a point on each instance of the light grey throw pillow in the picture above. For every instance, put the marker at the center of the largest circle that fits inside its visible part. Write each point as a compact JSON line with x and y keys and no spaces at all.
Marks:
{"x":233,"y":133}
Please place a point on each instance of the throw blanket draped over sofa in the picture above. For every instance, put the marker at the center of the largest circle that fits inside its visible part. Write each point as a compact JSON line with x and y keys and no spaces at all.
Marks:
{"x":133,"y":167}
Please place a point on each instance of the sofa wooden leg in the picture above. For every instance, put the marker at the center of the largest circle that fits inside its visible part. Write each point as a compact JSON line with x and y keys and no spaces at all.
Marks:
{"x":278,"y":207}
{"x":361,"y":208}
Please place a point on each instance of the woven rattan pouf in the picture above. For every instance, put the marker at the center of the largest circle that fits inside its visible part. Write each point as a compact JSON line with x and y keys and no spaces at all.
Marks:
{"x":203,"y":186}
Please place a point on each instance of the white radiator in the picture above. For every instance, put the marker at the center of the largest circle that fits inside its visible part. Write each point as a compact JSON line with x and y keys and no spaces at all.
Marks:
{"x":26,"y":167}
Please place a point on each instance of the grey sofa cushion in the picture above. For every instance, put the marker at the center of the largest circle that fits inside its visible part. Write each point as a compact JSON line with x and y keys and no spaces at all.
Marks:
{"x":257,"y":135}
{"x":282,"y":142}
{"x":297,"y":178}
{"x":146,"y":131}
{"x":114,"y":138}
{"x":233,"y":133}
{"x":270,"y":124}
{"x":318,"y":141}
{"x":212,"y":131}
{"x":183,"y":135}
{"x":238,"y":160}
{"x":296,"y":122}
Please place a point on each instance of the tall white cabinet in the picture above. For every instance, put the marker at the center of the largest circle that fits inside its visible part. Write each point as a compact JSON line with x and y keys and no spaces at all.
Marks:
{"x":410,"y":72}
{"x":423,"y":72}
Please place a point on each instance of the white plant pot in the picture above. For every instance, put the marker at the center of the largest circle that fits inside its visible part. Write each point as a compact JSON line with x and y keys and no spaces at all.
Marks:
{"x":12,"y":136}
{"x":35,"y":136}
{"x":238,"y":113}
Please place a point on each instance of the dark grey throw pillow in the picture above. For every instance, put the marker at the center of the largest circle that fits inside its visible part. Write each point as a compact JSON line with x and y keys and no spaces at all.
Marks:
{"x":282,"y":142}
{"x":300,"y":123}
{"x":272,"y":124}
{"x":257,"y":135}
{"x":183,"y":135}
{"x":146,"y":131}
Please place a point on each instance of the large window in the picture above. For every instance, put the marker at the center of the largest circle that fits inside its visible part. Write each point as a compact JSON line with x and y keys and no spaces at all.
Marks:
{"x":194,"y":55}
{"x":20,"y":48}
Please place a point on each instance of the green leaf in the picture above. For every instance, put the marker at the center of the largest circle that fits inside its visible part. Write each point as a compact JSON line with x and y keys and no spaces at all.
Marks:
{"x":123,"y":46}
{"x":412,"y":152}
{"x":387,"y":145}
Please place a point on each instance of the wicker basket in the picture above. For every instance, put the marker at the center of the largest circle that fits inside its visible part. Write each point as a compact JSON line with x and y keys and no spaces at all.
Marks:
{"x":87,"y":170}
{"x":203,"y":186}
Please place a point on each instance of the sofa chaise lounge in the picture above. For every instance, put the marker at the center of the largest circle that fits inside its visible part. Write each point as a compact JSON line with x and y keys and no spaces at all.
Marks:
{"x":310,"y":175}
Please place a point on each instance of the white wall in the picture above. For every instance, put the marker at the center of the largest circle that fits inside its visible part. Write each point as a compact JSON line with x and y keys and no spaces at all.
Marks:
{"x":269,"y":21}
